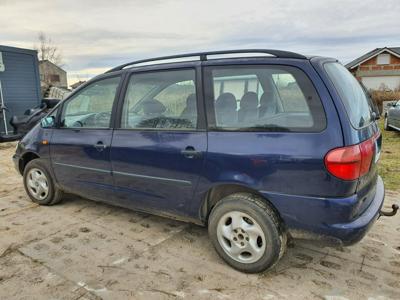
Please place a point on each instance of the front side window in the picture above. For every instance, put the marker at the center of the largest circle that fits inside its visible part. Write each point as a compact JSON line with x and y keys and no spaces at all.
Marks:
{"x":353,"y":96}
{"x":273,"y":98}
{"x":92,"y":106}
{"x":165,"y":100}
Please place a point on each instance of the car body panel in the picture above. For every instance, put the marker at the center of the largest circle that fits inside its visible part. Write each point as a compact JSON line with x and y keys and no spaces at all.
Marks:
{"x":150,"y":170}
{"x":32,"y":143}
{"x":353,"y":136}
{"x":78,"y":165}
{"x":337,"y":224}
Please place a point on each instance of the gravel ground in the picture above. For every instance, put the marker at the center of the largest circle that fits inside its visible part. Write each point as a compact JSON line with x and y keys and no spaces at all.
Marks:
{"x":85,"y":250}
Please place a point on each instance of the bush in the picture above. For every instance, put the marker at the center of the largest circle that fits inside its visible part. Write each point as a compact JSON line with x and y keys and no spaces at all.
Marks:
{"x":380,"y":96}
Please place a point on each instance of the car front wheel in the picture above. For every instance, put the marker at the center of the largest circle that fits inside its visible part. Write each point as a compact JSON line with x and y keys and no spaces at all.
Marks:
{"x":39,"y":185}
{"x":246,"y":233}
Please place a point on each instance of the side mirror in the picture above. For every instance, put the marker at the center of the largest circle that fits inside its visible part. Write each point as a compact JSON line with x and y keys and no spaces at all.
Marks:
{"x":48,"y":122}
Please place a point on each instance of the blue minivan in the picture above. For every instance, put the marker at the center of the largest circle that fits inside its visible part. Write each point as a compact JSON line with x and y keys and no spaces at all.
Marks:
{"x":261,"y":146}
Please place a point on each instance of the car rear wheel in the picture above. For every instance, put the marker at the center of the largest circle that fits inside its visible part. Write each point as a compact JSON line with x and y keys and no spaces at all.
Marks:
{"x":246,"y":233}
{"x":39,"y":185}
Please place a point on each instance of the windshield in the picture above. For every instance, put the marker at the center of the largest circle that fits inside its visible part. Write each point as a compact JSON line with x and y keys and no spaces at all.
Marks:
{"x":354,"y":98}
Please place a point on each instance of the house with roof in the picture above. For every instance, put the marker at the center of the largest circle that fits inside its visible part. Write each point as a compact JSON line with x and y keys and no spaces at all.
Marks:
{"x":378,"y":69}
{"x":52,"y":75}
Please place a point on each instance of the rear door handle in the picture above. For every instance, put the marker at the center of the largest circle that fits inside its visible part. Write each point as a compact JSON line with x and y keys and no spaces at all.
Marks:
{"x":191,"y":152}
{"x":100,"y":146}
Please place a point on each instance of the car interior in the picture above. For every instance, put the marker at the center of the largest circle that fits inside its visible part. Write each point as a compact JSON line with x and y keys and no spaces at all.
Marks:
{"x":264,"y":99}
{"x":235,"y":107}
{"x":242,"y":100}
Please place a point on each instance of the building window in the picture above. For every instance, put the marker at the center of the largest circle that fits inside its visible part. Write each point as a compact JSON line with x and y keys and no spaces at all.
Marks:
{"x":54,"y":78}
{"x":383,"y":59}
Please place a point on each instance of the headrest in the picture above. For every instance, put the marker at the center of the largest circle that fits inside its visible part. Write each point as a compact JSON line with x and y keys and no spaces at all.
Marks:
{"x":226,"y":101}
{"x":153,"y":106}
{"x":249,"y":100}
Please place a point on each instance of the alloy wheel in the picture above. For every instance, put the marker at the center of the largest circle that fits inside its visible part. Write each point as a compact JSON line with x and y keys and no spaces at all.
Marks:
{"x":241,"y":237}
{"x":37,"y":184}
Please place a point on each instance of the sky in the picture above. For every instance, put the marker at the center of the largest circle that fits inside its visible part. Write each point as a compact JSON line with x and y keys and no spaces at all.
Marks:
{"x":95,"y":35}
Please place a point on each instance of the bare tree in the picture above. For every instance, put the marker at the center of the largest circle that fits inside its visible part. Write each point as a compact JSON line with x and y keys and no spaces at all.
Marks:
{"x":47,"y":50}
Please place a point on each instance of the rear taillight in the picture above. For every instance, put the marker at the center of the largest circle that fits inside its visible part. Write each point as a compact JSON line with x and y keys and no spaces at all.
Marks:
{"x":352,"y":162}
{"x":367,"y":149}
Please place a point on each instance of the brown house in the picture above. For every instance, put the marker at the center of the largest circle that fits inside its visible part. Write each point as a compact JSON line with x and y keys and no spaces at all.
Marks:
{"x":52,"y":75}
{"x":379,"y":69}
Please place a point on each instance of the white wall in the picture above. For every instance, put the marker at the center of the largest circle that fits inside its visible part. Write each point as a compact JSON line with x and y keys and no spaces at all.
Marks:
{"x":375,"y":83}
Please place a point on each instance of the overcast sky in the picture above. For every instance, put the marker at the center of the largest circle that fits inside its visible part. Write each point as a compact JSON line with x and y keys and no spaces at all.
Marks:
{"x":95,"y":35}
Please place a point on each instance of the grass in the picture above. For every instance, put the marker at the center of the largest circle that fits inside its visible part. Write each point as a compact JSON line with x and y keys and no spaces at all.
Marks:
{"x":389,"y":164}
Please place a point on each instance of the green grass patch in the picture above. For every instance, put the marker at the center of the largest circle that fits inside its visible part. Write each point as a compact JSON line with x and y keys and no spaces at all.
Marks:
{"x":389,"y":164}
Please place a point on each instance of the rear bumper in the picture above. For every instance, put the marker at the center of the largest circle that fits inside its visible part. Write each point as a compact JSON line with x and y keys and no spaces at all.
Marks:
{"x":350,"y":233}
{"x":324,"y":219}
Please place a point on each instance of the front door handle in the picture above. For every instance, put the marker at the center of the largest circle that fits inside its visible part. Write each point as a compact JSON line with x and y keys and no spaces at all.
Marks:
{"x":100,"y":146}
{"x":191,"y":152}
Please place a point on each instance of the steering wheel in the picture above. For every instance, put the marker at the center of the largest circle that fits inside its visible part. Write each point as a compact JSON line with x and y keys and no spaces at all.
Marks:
{"x":77,"y":124}
{"x":135,"y":109}
{"x":102,"y":118}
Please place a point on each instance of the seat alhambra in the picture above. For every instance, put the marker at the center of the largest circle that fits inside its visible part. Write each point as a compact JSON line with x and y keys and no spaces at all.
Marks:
{"x":260,"y":146}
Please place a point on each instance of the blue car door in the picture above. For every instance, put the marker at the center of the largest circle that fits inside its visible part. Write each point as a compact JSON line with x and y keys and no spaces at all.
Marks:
{"x":80,"y":146}
{"x":158,"y":150}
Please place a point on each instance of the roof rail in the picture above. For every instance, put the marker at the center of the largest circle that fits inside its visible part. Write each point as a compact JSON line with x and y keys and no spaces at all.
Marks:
{"x":203,"y":56}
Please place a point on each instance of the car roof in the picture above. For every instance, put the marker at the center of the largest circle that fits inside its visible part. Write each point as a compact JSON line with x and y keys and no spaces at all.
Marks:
{"x":204,"y":56}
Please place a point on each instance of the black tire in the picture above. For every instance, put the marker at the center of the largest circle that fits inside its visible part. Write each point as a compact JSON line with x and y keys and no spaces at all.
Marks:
{"x":257,"y":208}
{"x":54,"y":194}
{"x":385,"y":124}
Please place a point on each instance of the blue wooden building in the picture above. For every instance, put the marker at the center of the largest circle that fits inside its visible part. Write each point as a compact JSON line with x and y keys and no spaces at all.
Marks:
{"x":19,"y":81}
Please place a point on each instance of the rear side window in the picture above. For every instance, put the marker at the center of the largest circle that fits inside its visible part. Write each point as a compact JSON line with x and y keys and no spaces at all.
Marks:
{"x":353,"y":96}
{"x":265,"y":98}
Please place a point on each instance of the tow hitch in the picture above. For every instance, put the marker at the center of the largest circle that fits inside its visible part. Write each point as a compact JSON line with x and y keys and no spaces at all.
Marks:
{"x":395,"y":208}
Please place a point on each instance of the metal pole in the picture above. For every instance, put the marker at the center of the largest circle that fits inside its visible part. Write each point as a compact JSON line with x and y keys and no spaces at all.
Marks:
{"x":3,"y":109}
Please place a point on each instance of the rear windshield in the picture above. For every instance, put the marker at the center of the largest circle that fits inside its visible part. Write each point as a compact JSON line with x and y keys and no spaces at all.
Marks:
{"x":354,"y":98}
